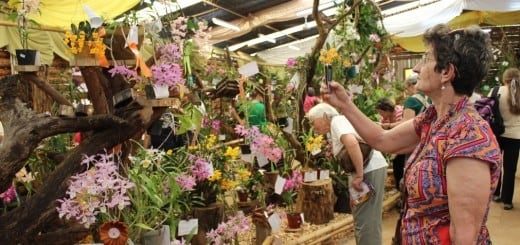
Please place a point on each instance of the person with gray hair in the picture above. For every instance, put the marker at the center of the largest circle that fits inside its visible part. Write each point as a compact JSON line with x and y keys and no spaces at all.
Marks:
{"x":325,"y":119}
{"x":453,"y":171}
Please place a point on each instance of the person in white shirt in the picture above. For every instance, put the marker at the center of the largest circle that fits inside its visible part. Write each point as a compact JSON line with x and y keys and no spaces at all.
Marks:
{"x":509,"y":141}
{"x":368,"y":215}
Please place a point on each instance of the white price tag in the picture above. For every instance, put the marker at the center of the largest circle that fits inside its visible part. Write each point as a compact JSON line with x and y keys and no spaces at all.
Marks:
{"x":275,"y":221}
{"x":249,"y":69}
{"x":324,"y":174}
{"x":262,"y":160}
{"x":310,"y":176}
{"x":187,"y":227}
{"x":279,"y":184}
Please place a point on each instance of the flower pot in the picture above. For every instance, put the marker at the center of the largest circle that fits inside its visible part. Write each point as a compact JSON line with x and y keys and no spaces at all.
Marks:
{"x":294,"y":220}
{"x":27,"y":57}
{"x":157,"y":237}
{"x":242,"y":195}
{"x":342,"y":204}
{"x":269,"y":178}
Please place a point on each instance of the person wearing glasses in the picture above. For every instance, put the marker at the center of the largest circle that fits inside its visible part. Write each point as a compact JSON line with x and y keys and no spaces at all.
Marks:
{"x":454,"y":166}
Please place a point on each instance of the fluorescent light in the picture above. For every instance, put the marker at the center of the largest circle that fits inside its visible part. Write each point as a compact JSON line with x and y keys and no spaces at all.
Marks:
{"x":293,"y":47}
{"x":160,"y":9}
{"x":268,"y":39}
{"x":225,"y":24}
{"x":235,"y":47}
{"x":308,"y":11}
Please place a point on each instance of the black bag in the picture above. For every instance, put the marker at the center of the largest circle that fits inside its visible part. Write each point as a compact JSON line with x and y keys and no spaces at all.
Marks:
{"x":345,"y":162}
{"x":488,"y":108}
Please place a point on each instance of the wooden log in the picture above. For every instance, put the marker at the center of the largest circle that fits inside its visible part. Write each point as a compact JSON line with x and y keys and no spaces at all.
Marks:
{"x":325,"y":232}
{"x":209,"y":218}
{"x":316,"y":201}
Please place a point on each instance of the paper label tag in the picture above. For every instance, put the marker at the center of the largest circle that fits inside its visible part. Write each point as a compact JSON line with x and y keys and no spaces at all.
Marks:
{"x":316,"y":152}
{"x":310,"y":176}
{"x":211,"y":169}
{"x":303,"y":218}
{"x":279,"y":184}
{"x":324,"y":174}
{"x":247,"y":158}
{"x":289,"y":126}
{"x":275,"y":221}
{"x":249,"y":69}
{"x":262,"y":160}
{"x":187,"y":227}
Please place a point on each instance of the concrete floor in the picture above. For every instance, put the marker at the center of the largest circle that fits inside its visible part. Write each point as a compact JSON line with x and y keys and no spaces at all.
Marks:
{"x":504,"y":226}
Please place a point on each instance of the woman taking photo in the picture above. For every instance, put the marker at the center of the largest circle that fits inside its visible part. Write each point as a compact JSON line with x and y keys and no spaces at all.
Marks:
{"x":454,"y":167}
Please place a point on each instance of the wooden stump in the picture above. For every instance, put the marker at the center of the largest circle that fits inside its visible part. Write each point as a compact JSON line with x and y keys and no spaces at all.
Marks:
{"x":316,"y":201}
{"x":209,"y":218}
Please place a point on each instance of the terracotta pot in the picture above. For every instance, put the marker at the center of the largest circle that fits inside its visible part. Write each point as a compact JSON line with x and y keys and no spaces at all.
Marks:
{"x":294,"y":220}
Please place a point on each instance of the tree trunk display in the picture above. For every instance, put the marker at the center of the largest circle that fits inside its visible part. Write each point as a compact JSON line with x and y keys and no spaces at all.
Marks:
{"x":209,"y":218}
{"x":316,"y":201}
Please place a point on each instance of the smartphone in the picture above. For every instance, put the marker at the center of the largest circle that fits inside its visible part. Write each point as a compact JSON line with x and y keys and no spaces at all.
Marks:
{"x":328,"y":75}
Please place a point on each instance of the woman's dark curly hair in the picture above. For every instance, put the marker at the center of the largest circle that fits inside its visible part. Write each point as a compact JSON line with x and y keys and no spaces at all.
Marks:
{"x":468,"y":49}
{"x":385,"y":104}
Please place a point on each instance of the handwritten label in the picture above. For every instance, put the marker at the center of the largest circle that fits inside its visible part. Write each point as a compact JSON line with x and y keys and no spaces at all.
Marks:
{"x":324,"y":174}
{"x":310,"y":176}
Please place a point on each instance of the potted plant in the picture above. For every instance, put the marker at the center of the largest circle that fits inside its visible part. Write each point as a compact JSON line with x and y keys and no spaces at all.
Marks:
{"x":290,"y":190}
{"x":86,"y":45}
{"x":19,"y":12}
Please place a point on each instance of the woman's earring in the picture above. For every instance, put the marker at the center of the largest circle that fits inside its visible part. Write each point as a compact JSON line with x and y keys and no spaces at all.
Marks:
{"x":443,"y":87}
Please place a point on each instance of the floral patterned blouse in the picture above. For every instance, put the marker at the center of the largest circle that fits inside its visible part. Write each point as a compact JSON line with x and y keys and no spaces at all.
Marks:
{"x":462,"y":133}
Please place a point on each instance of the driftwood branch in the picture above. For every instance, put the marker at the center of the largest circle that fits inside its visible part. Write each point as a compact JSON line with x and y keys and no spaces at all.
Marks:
{"x":25,"y":129}
{"x":43,"y":85}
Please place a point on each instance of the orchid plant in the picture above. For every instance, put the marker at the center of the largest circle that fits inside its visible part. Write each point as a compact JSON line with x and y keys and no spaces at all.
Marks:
{"x":228,"y":231}
{"x":99,"y":191}
{"x":261,"y":144}
{"x":172,"y":66}
{"x":290,"y":189}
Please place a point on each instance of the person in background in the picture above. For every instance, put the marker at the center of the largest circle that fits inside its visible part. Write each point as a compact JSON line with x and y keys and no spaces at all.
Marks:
{"x":390,"y":116}
{"x":280,"y":106}
{"x":509,"y":141}
{"x":390,"y":113}
{"x":416,"y":102}
{"x":368,"y":215}
{"x":256,"y":115}
{"x":310,"y":100}
{"x":413,"y":105}
{"x":453,"y":171}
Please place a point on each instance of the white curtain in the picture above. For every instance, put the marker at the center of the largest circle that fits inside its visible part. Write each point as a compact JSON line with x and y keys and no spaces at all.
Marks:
{"x":492,"y":5}
{"x":415,"y":22}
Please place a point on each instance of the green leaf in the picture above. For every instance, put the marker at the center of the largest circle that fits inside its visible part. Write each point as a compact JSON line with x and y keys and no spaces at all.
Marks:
{"x":144,"y":226}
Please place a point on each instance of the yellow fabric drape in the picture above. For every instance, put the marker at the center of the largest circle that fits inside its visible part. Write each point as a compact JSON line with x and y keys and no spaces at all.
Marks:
{"x":415,"y":44}
{"x":62,"y":13}
{"x":59,"y":14}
